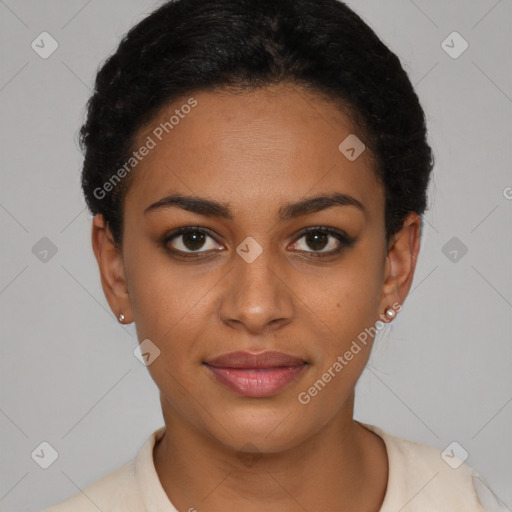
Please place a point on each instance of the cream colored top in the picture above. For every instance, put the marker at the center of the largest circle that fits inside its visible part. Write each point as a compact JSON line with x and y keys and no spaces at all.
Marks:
{"x":419,"y":480}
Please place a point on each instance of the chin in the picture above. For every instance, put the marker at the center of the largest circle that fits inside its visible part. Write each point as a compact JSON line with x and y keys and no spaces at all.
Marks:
{"x":266,"y":431}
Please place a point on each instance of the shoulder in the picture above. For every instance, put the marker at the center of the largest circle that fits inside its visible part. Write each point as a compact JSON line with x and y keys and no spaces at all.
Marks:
{"x":115,"y":492}
{"x":132,"y":487}
{"x":422,"y":478}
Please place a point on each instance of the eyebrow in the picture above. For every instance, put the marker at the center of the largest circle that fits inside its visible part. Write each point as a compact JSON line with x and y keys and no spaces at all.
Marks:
{"x":221,"y":210}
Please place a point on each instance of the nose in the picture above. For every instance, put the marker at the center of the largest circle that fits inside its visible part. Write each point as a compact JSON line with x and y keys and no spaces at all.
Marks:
{"x":258,"y":298}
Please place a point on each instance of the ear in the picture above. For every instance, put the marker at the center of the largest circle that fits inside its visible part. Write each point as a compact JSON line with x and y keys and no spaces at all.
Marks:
{"x":401,"y":260}
{"x":110,"y":263}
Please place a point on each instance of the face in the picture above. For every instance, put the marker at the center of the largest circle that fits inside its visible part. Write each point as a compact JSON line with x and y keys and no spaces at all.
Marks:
{"x":279,"y":247}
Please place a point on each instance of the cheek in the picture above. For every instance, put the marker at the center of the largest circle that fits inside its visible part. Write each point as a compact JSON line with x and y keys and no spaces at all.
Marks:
{"x":165,"y":299}
{"x":345,"y":301}
{"x":345,"y":309}
{"x":344,"y":305}
{"x":169,"y":307}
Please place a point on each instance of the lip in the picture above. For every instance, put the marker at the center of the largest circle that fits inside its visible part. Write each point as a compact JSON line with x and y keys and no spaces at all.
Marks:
{"x":256,"y":375}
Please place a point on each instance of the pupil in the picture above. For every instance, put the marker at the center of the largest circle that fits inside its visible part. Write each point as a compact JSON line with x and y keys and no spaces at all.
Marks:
{"x":193,"y":240}
{"x":316,"y":237}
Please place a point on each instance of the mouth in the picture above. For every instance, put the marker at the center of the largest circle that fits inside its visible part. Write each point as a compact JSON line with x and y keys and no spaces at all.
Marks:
{"x":256,"y":375}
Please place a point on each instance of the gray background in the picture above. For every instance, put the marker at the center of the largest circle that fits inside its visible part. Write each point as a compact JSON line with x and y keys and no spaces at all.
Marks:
{"x":441,"y":372}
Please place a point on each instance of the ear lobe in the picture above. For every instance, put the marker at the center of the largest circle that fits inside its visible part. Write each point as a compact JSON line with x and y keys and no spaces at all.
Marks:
{"x":401,"y":261}
{"x":110,"y":263}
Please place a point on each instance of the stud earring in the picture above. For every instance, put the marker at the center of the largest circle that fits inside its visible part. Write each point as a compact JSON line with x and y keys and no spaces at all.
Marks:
{"x":121,"y":317}
{"x":390,"y":313}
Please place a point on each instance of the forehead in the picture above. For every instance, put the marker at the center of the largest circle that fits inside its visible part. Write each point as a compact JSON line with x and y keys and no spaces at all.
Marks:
{"x":250,"y":149}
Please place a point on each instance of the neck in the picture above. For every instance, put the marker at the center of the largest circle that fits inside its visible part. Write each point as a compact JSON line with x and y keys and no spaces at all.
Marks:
{"x":342,"y":467}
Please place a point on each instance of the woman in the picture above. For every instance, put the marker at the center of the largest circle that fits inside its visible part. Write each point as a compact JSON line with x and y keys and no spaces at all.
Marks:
{"x":257,"y":171}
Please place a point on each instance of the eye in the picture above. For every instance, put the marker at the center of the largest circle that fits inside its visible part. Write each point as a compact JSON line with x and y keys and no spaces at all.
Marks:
{"x":190,"y":241}
{"x":323,"y":241}
{"x":319,"y":241}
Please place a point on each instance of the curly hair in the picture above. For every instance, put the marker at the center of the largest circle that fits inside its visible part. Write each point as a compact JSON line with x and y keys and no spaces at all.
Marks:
{"x":203,"y":45}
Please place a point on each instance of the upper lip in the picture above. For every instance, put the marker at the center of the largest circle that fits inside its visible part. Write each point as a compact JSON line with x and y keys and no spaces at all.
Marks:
{"x":268,"y":359}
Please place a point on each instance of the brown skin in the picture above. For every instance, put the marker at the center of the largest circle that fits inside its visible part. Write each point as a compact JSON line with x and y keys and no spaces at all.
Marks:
{"x":257,"y":151}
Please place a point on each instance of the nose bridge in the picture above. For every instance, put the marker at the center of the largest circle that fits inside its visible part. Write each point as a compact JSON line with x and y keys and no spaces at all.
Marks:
{"x":256,"y":295}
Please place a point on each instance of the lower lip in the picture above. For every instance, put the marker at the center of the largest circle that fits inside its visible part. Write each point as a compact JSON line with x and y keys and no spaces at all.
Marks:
{"x":254,"y":382}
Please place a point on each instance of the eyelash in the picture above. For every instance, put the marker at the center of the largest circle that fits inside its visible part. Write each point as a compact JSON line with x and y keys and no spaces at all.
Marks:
{"x":345,"y":240}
